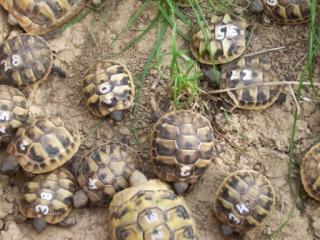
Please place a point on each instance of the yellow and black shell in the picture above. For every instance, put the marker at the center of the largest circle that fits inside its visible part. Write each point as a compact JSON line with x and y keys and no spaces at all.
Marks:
{"x":151,"y":211}
{"x":310,"y":172}
{"x":108,"y":87}
{"x":14,"y":112}
{"x":42,"y":16}
{"x":245,"y":72}
{"x":244,"y":200}
{"x":24,"y":59}
{"x":182,"y":146}
{"x":48,"y":196}
{"x":222,"y":42}
{"x":289,"y":11}
{"x":106,"y":170}
{"x":44,"y":144}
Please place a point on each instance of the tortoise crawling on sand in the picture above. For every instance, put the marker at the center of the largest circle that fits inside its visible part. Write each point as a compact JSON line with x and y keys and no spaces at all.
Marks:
{"x":26,"y":60}
{"x":222,"y":42}
{"x":47,"y":198}
{"x":182,"y":148}
{"x":249,"y":72}
{"x":284,"y":11}
{"x":41,"y":145}
{"x":243,"y":201}
{"x":104,"y":171}
{"x":42,"y":16}
{"x":14,"y":112}
{"x":310,"y":172}
{"x":150,"y":210}
{"x":108,"y":89}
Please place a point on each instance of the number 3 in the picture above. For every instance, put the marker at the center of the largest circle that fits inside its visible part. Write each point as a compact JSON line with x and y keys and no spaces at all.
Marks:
{"x":42,"y":209}
{"x":233,"y":218}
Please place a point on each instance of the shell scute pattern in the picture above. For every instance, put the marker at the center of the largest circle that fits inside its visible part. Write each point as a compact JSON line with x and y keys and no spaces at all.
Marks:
{"x":48,"y":196}
{"x":108,"y":87}
{"x":245,"y":72}
{"x":225,"y":42}
{"x":44,"y":144}
{"x":13,"y":112}
{"x":24,"y":59}
{"x":310,"y":172}
{"x":42,"y":16}
{"x":106,"y":170}
{"x":244,"y":200}
{"x":289,"y":11}
{"x":182,"y":146}
{"x":151,"y":211}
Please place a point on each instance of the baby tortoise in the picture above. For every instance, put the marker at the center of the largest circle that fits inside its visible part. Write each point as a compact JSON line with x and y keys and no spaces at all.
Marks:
{"x":182,"y":147}
{"x":47,"y":198}
{"x":26,"y":60}
{"x":14,"y":112}
{"x":108,"y":89}
{"x":41,"y":16}
{"x":310,"y":172}
{"x":244,"y":200}
{"x":222,"y":42}
{"x":284,"y":11}
{"x":245,"y":72}
{"x":150,"y":210}
{"x":104,"y":171}
{"x":41,"y":145}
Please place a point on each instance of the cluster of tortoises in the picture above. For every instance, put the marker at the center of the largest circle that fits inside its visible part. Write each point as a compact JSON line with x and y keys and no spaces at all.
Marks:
{"x":182,"y":144}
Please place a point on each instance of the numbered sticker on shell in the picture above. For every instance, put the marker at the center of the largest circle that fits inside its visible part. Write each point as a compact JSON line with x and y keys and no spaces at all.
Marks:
{"x":5,"y":116}
{"x":229,"y":31}
{"x":92,"y":184}
{"x":24,"y":143}
{"x":244,"y":75}
{"x":150,"y":217}
{"x":157,"y":235}
{"x":185,"y":171}
{"x":46,"y":196}
{"x":233,"y":219}
{"x":41,"y":209}
{"x":242,"y":209}
{"x":272,"y":2}
{"x":15,"y":62}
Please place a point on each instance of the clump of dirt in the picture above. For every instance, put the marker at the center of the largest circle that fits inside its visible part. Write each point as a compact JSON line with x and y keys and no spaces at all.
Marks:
{"x":245,"y":139}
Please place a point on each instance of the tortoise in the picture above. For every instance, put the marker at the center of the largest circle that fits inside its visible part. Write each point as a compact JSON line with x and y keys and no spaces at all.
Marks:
{"x":26,"y":60}
{"x":104,"y":171}
{"x":108,"y":89}
{"x":41,"y":16}
{"x":47,"y":198}
{"x":243,"y":73}
{"x":284,"y":11}
{"x":243,"y":201}
{"x":182,"y":147}
{"x":310,"y":172}
{"x":222,"y":42}
{"x":150,"y":210}
{"x":41,"y":145}
{"x":14,"y":112}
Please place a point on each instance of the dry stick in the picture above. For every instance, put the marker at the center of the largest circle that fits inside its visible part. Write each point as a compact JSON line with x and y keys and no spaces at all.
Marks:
{"x":261,"y":84}
{"x":295,"y":99}
{"x":264,"y":51}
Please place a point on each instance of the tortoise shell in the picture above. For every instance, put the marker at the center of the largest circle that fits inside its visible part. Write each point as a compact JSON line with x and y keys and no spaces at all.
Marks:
{"x":108,"y":86}
{"x":222,"y":42}
{"x":150,"y":211}
{"x":289,"y":11}
{"x":245,"y":72}
{"x":244,"y":200}
{"x":24,"y":59}
{"x":44,"y":144}
{"x":13,"y":112}
{"x":42,"y":16}
{"x":310,"y":172}
{"x":48,"y":196}
{"x":106,"y":170}
{"x":182,"y":146}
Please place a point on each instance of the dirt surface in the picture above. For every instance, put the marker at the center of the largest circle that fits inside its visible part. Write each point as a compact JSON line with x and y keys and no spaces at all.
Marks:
{"x":245,"y":140}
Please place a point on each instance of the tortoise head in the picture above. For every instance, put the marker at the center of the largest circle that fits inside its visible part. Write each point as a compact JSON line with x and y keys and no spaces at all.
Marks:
{"x":9,"y":165}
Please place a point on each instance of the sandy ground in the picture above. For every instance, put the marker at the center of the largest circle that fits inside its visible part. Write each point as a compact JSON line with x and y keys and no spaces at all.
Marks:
{"x":246,"y":140}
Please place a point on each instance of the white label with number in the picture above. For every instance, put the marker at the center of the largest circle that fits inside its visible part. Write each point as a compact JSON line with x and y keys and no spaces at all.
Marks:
{"x":4,"y":116}
{"x":233,"y":218}
{"x":242,"y":208}
{"x":234,"y":75}
{"x":150,"y":217}
{"x":157,"y":236}
{"x":23,"y":145}
{"x":185,"y":171}
{"x":232,"y":31}
{"x":42,"y":209}
{"x":16,"y":61}
{"x":92,"y":184}
{"x":46,"y":196}
{"x":272,"y":2}
{"x":2,"y":130}
{"x":220,"y":32}
{"x":247,"y":74}
{"x":104,"y":88}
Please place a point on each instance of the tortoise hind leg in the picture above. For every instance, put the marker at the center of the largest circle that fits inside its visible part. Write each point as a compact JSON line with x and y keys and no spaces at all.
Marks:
{"x":39,"y":224}
{"x":117,"y":116}
{"x":180,"y":188}
{"x":9,"y":165}
{"x":68,"y":221}
{"x":59,"y":70}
